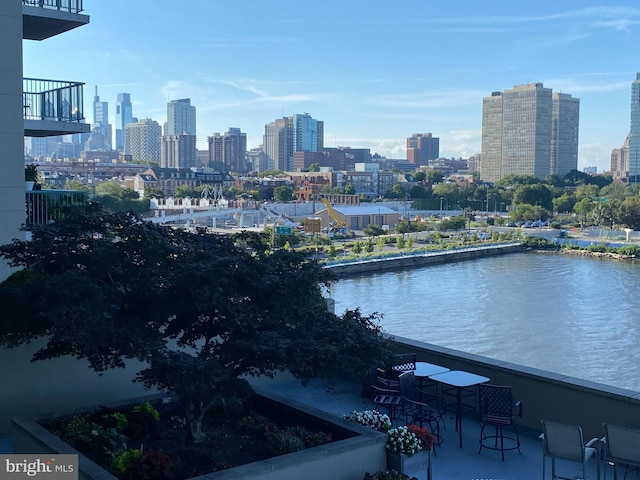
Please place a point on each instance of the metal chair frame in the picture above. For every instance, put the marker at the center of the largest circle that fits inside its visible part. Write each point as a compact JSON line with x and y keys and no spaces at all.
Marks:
{"x":497,"y":409}
{"x":566,"y":442}
{"x":621,"y":447}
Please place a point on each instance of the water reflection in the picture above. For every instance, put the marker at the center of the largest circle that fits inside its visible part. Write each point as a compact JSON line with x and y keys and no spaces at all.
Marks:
{"x":571,"y":315}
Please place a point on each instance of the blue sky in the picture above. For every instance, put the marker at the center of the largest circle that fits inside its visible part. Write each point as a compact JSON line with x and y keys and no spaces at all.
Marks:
{"x":375,"y":72}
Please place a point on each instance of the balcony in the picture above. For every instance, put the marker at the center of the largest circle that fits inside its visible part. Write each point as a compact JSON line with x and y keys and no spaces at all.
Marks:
{"x":43,"y":19}
{"x":52,"y":107}
{"x":44,"y":206}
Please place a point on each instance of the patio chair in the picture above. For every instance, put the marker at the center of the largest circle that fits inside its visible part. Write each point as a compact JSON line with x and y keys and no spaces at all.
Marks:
{"x":417,"y":412}
{"x":497,"y":410}
{"x":622,"y":447}
{"x":565,"y":442}
{"x":385,"y":396}
{"x":404,"y":362}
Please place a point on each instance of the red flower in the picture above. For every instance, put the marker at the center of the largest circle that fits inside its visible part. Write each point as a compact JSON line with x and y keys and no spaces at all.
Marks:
{"x":425,"y":437}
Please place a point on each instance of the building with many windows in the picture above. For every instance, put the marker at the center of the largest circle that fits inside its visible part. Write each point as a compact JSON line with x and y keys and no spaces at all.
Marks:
{"x":31,"y":107}
{"x":124,"y":115}
{"x":633,"y":163}
{"x":422,"y":147}
{"x":101,"y":123}
{"x":142,"y":140}
{"x":228,"y":152}
{"x":529,"y":130}
{"x":178,"y":151}
{"x":181,"y":117}
{"x":285,"y":136}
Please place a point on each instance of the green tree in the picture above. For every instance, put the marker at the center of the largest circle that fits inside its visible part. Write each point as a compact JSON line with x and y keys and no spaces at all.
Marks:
{"x":349,"y":189}
{"x":539,"y":194}
{"x":564,"y":203}
{"x":314,"y":167}
{"x":110,"y":288}
{"x":373,"y":230}
{"x":184,"y":191}
{"x":381,"y":243}
{"x":368,"y":245}
{"x":583,"y":208}
{"x":357,"y":248}
{"x":629,"y":214}
{"x":417,"y":191}
{"x":434,"y":176}
{"x":400,"y":243}
{"x":75,"y":184}
{"x":150,"y":192}
{"x":453,"y":223}
{"x":282,"y":193}
{"x":114,"y":189}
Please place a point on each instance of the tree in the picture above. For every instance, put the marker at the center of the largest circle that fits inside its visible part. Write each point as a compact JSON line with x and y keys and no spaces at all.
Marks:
{"x":453,"y":223}
{"x":282,"y":193}
{"x":349,"y":189}
{"x":114,"y":189}
{"x":184,"y":190}
{"x":373,"y":230}
{"x":417,"y":191}
{"x":583,"y":208}
{"x":539,"y":194}
{"x":75,"y":184}
{"x":201,"y":310}
{"x":150,"y":192}
{"x":314,"y":167}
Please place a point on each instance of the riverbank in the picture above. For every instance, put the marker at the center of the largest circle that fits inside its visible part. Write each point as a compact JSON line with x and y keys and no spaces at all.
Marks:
{"x":420,"y":259}
{"x":588,"y":253}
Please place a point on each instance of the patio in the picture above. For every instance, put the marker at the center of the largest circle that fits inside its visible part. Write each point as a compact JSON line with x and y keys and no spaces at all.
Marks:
{"x":340,"y":397}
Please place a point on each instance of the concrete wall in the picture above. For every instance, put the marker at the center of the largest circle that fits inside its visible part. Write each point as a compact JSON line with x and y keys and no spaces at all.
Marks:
{"x":12,"y":187}
{"x":39,"y":388}
{"x":544,"y":395}
{"x":346,"y":459}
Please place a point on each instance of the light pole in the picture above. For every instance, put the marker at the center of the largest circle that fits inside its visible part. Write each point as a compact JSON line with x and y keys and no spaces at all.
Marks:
{"x":446,"y":204}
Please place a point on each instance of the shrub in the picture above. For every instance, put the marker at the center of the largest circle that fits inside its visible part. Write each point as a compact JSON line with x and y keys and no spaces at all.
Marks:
{"x":281,"y":442}
{"x":123,"y":462}
{"x":152,"y":465}
{"x":372,"y":419}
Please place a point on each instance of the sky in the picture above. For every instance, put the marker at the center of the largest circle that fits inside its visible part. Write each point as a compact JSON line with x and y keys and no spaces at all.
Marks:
{"x":375,"y":72}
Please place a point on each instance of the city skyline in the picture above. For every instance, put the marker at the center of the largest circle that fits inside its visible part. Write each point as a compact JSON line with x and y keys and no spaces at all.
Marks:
{"x":374,"y":75}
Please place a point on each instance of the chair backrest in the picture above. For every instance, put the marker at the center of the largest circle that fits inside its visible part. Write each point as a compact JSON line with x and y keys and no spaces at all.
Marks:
{"x":404,"y":362}
{"x":408,"y":388}
{"x":623,"y":444}
{"x":496,"y":401}
{"x":563,"y":441}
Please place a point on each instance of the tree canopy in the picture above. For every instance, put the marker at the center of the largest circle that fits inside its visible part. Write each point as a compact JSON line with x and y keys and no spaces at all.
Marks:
{"x":198,"y":309}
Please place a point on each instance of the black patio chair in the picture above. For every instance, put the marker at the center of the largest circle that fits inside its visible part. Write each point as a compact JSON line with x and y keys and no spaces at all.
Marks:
{"x":385,"y":396}
{"x":497,"y":411}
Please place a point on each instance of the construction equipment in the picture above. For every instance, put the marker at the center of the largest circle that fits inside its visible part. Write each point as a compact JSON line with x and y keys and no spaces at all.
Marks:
{"x":338,"y":226}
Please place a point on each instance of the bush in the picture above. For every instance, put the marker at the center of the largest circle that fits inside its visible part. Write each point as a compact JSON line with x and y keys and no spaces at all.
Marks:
{"x":152,"y":465}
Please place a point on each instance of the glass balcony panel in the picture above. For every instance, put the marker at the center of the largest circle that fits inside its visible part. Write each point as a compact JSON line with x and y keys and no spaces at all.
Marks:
{"x":52,"y":100}
{"x":71,"y":6}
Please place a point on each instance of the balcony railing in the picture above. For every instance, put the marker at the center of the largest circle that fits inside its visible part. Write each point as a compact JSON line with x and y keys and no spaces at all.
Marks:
{"x":44,"y":206}
{"x":52,"y":100}
{"x":71,"y":6}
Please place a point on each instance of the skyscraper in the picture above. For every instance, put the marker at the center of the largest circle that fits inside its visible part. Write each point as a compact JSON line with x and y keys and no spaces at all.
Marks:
{"x":178,"y":151}
{"x":284,"y":136}
{"x":422,"y":147}
{"x":181,"y":117}
{"x":101,"y":119}
{"x":634,"y":133}
{"x":124,"y":115}
{"x":528,"y":130}
{"x":234,"y":151}
{"x":142,"y":140}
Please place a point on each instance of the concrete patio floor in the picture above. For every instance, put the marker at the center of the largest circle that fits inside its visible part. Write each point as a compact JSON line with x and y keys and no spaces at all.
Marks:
{"x":340,"y":397}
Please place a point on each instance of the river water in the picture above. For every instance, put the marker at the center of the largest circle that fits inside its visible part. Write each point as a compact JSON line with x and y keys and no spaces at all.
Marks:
{"x":562,"y":313}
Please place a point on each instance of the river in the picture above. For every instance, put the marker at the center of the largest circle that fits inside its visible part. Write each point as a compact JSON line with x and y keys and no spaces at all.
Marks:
{"x":567,"y":314}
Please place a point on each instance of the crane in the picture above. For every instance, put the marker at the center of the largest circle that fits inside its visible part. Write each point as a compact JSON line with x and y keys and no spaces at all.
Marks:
{"x":338,"y":224}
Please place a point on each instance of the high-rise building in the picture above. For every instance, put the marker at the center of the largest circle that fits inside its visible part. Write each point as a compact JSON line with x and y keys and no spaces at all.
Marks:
{"x":31,"y":107}
{"x":101,"y":118}
{"x":178,"y":151}
{"x":620,"y":160}
{"x":124,"y":115}
{"x":216,"y":160}
{"x":181,"y":117}
{"x":284,"y":136}
{"x":528,"y":130}
{"x":142,"y":140}
{"x":634,"y":133}
{"x":422,"y":147}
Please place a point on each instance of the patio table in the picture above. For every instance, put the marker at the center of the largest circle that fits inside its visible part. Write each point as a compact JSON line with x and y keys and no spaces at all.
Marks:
{"x":459,"y":379}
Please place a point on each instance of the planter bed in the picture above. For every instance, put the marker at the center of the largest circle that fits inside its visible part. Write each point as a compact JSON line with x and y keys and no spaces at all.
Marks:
{"x":354,"y":451}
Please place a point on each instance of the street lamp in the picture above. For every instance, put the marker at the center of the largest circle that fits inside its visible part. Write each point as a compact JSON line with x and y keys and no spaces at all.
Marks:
{"x":446,"y":204}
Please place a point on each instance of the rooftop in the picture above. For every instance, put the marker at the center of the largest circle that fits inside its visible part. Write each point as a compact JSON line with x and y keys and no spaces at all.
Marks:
{"x":339,"y":397}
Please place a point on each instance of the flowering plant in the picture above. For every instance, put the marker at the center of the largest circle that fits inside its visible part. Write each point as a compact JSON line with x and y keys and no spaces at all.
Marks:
{"x":372,"y":419}
{"x":401,"y":440}
{"x":425,"y":437}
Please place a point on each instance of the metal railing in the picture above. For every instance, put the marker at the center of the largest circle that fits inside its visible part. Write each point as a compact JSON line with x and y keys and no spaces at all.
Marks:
{"x":52,"y":100}
{"x":44,"y":206}
{"x":71,"y":6}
